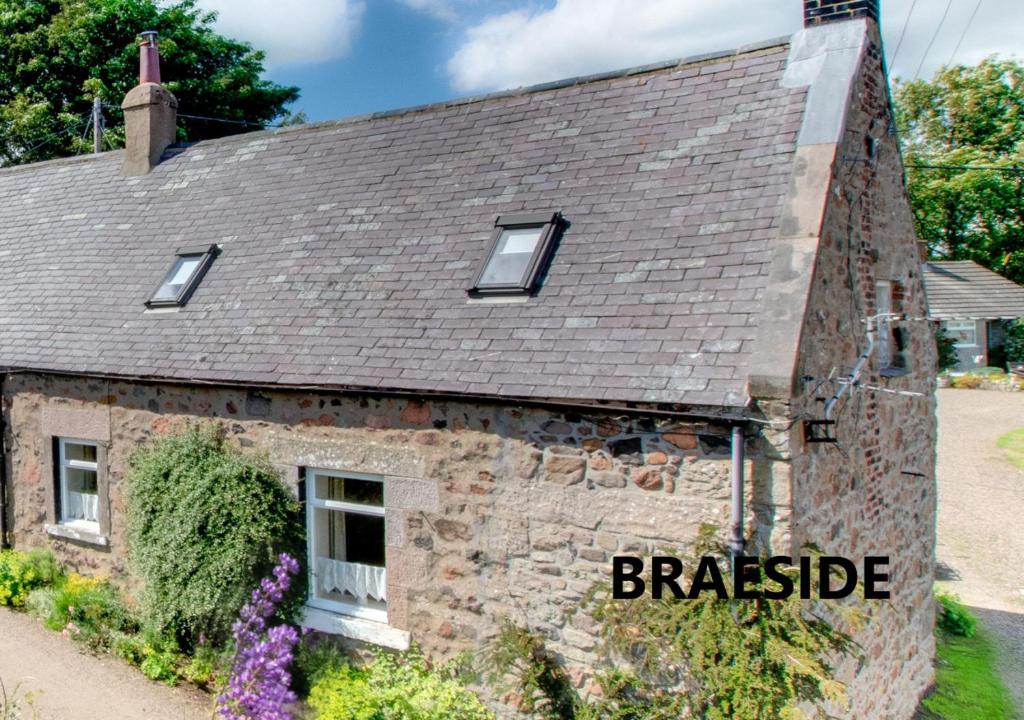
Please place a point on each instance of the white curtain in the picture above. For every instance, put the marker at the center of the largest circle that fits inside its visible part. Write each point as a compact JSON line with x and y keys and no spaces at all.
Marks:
{"x":360,"y":581}
{"x":83,"y":506}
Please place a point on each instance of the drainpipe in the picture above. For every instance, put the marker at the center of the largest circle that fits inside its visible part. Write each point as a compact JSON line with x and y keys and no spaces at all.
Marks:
{"x":4,"y":536}
{"x":736,"y":541}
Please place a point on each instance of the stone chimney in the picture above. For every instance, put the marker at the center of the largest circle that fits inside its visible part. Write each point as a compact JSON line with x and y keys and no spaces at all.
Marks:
{"x":820,"y":12}
{"x":150,"y":114}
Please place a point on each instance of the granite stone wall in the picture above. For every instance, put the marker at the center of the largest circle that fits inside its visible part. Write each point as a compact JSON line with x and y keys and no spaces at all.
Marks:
{"x":873,"y":492}
{"x":491,"y":511}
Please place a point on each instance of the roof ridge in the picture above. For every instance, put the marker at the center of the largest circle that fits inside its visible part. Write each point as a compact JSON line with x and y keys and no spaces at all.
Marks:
{"x":673,"y":64}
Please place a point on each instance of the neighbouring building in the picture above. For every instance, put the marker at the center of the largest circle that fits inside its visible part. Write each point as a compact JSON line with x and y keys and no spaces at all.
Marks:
{"x":529,"y":331}
{"x":973,"y":304}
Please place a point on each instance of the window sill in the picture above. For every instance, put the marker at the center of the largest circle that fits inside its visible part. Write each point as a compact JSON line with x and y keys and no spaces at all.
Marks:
{"x":498,"y":299}
{"x":893,"y":372}
{"x":367,"y":631}
{"x":78,"y":535}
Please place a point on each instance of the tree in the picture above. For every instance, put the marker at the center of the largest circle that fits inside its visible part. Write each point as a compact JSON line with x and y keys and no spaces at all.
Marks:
{"x":967,"y":116}
{"x":56,"y":55}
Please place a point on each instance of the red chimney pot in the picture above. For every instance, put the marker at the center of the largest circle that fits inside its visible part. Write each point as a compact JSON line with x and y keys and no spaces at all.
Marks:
{"x":149,"y":59}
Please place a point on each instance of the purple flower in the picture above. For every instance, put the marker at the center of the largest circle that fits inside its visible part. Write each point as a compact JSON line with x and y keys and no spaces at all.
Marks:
{"x":260,"y":685}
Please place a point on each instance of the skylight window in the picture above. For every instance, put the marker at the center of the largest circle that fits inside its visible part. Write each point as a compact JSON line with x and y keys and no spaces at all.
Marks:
{"x":186,"y":272}
{"x":519,"y":251}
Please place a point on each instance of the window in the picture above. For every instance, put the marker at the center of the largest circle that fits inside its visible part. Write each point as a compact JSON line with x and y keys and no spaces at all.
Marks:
{"x":963,"y":332}
{"x":79,"y":485}
{"x":883,"y":300}
{"x":518,"y":253}
{"x":183,"y":277}
{"x":345,"y":530}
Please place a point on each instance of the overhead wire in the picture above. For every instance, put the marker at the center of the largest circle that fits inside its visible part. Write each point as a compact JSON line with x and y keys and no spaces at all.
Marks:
{"x":931,"y":43}
{"x":54,"y":135}
{"x":206,"y":118}
{"x":964,"y":33}
{"x":903,"y":34}
{"x":998,"y":168}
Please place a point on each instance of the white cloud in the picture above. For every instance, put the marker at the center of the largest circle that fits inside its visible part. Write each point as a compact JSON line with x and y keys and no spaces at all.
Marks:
{"x":441,"y":9}
{"x":577,"y":37}
{"x":291,"y":32}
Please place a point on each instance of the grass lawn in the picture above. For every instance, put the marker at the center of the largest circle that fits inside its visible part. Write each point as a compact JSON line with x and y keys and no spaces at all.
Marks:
{"x":1012,"y":443}
{"x":967,"y":686}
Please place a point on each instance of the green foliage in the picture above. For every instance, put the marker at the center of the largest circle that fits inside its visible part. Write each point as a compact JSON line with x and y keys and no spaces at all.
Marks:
{"x":1015,"y":340}
{"x":55,"y":56}
{"x":954,"y":618}
{"x":16,"y":705}
{"x":518,"y":661}
{"x":161,"y":660}
{"x":946,"y":347}
{"x":702,"y":657}
{"x":205,"y":523}
{"x":21,"y":572}
{"x":967,"y":682}
{"x":967,"y":116}
{"x":157,"y":657}
{"x":315,"y":657}
{"x":968,"y":381}
{"x":88,"y":610}
{"x":208,"y":667}
{"x":402,"y":687}
{"x":1012,"y":443}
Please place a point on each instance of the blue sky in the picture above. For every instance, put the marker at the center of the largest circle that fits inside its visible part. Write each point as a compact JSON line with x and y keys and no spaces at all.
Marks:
{"x":355,"y":56}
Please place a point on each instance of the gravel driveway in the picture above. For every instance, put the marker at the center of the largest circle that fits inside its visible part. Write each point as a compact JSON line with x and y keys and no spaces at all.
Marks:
{"x":981,"y":518}
{"x":70,"y":684}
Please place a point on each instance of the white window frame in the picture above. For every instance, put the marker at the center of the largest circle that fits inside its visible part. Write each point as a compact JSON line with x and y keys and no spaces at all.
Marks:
{"x":65,"y":463}
{"x":963,"y":325}
{"x":312,"y":504}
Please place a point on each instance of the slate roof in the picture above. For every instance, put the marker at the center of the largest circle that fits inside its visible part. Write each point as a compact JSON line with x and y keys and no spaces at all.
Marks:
{"x":964,"y":290}
{"x":348,"y":246}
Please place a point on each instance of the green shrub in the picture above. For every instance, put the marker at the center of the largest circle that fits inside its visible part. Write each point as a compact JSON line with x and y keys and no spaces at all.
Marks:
{"x":130,"y":647}
{"x":966,"y":382}
{"x":954,"y":618}
{"x":161,"y":660}
{"x":703,"y":657}
{"x":86,"y":609}
{"x":1015,"y":340}
{"x":392,"y":687}
{"x":206,"y":523}
{"x":946,"y":347}
{"x":21,"y":572}
{"x":315,"y":656}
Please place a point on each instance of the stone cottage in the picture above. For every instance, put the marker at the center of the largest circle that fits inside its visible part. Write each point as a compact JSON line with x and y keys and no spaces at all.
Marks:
{"x":502,"y":339}
{"x":974,"y":306}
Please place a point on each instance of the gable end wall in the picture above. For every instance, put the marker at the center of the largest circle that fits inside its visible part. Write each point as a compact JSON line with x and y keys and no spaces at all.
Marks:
{"x":873,"y":493}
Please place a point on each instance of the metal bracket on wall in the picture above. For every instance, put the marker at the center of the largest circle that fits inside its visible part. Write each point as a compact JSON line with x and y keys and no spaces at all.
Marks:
{"x":820,"y":431}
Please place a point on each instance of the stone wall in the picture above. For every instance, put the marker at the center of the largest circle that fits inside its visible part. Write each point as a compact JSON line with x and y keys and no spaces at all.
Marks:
{"x":492,"y":510}
{"x":872,"y":493}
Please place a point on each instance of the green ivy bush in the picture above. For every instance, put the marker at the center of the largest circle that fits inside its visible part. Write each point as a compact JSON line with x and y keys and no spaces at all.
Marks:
{"x":205,"y":524}
{"x":953,"y":617}
{"x":21,"y":572}
{"x":402,"y":687}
